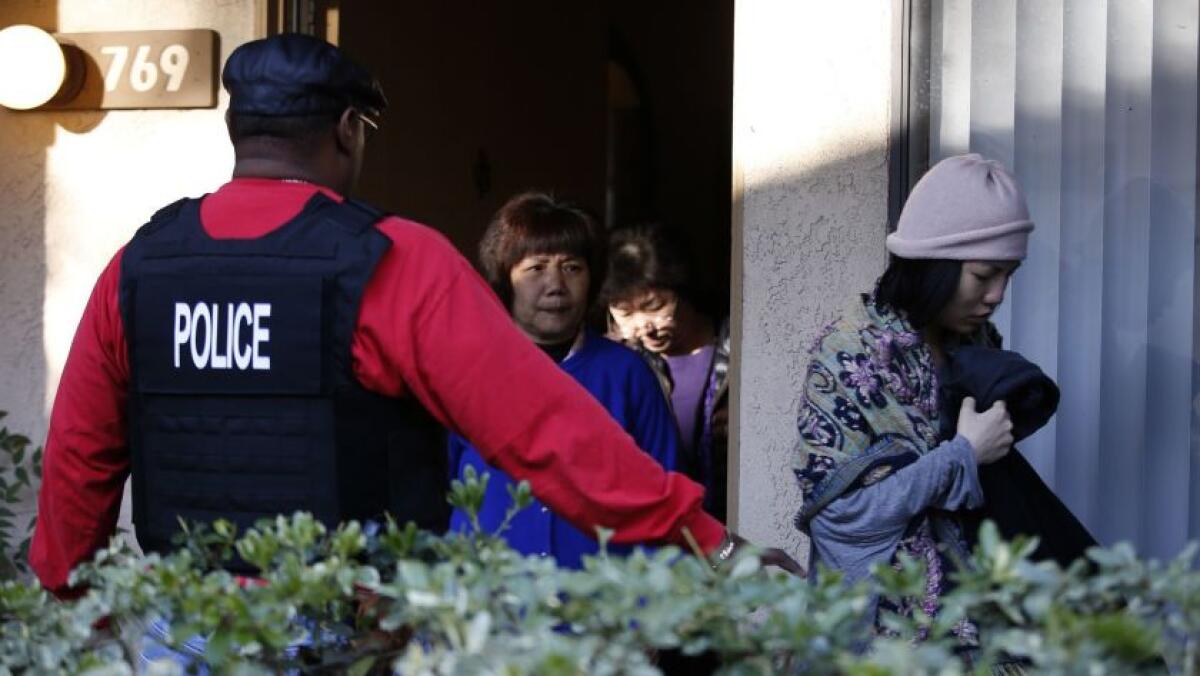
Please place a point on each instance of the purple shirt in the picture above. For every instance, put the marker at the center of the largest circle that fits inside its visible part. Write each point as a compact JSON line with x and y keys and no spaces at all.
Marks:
{"x":689,"y":373}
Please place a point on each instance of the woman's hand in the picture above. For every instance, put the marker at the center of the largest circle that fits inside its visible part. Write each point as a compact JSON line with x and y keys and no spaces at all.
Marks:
{"x":990,"y":432}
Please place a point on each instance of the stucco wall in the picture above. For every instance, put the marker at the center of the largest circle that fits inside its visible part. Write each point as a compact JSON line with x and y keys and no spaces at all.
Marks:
{"x":812,"y":82}
{"x":75,"y":186}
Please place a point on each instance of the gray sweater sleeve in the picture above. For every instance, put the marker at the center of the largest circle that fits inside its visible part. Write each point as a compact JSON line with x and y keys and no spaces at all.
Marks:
{"x":864,"y":526}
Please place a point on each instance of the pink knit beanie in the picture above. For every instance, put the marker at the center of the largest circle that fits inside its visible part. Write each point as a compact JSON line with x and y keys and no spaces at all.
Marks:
{"x":964,"y":208}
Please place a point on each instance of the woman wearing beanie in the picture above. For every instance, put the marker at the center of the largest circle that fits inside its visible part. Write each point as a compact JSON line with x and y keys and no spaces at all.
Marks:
{"x":878,"y":477}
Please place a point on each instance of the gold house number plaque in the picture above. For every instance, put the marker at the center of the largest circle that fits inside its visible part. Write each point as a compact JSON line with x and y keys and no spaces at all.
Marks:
{"x":142,"y":69}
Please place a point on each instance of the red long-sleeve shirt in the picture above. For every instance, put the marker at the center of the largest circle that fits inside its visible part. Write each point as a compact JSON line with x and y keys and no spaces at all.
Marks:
{"x":429,"y":328}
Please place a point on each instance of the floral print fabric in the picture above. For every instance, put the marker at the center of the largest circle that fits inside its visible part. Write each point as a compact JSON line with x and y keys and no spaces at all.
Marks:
{"x":870,"y":376}
{"x":869,"y":407}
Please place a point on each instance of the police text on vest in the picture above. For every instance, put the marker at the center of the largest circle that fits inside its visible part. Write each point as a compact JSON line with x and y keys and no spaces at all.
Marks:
{"x":198,"y":326}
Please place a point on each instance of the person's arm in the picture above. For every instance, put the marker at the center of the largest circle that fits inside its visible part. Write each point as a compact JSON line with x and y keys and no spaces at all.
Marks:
{"x":429,"y":326}
{"x":87,"y":458}
{"x":865,"y":525}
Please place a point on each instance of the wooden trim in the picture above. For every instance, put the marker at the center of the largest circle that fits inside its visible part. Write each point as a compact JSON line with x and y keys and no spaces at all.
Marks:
{"x":736,"y":332}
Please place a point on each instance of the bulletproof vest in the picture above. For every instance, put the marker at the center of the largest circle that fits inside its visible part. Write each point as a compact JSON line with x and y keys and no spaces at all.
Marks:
{"x":243,"y":403}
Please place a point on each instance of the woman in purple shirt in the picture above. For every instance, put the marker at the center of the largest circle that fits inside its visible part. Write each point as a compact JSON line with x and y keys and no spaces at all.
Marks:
{"x":653,"y":304}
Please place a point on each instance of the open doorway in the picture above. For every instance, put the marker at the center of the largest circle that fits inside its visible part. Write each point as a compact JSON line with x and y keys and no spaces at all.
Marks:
{"x":623,"y":107}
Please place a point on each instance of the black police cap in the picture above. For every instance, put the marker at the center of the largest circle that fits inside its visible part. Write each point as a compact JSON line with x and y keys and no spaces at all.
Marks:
{"x":295,"y":74}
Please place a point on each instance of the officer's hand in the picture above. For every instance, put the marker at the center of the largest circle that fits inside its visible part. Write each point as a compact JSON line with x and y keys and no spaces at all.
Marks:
{"x":773,"y":556}
{"x":770,"y":556}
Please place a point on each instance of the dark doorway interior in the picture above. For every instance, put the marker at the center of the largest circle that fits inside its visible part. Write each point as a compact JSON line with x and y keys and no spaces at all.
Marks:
{"x":622,"y":106}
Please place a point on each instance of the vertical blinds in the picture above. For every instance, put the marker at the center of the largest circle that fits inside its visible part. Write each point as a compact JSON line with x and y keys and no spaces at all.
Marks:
{"x":1093,"y":104}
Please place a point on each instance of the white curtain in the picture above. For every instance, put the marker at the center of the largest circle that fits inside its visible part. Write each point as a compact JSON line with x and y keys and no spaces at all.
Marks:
{"x":1093,"y":104}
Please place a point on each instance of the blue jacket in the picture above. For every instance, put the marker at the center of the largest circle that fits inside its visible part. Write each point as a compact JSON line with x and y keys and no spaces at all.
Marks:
{"x":625,"y":385}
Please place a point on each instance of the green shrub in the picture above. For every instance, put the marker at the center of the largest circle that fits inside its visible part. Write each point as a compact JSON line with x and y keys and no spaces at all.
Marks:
{"x":372,"y":600}
{"x":19,"y":471}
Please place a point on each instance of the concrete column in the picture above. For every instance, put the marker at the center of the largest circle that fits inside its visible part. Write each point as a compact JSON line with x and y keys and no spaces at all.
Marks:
{"x":812,"y":88}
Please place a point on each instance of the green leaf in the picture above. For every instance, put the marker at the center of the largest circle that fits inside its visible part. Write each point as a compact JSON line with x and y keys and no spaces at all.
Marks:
{"x":216,"y":650}
{"x":745,"y":567}
{"x":1129,"y":639}
{"x":361,"y":666}
{"x":989,"y":538}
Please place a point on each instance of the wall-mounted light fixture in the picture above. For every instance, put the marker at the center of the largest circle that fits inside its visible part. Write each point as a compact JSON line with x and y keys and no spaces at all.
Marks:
{"x":35,"y":67}
{"x":107,"y":70}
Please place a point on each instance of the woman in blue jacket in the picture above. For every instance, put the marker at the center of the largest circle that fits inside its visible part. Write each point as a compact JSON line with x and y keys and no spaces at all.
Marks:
{"x":545,"y":260}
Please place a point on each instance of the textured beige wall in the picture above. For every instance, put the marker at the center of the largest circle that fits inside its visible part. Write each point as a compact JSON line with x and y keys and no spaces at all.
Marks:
{"x":812,"y":82}
{"x":74,"y":186}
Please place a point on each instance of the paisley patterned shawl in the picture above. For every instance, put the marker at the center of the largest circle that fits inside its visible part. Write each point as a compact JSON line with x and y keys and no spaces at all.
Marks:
{"x":869,"y":407}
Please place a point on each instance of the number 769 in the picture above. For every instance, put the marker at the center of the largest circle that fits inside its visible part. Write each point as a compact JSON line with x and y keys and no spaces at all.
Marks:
{"x":143,"y":73}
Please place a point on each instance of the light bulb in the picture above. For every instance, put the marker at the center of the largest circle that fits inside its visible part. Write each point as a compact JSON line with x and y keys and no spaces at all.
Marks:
{"x":32,"y":67}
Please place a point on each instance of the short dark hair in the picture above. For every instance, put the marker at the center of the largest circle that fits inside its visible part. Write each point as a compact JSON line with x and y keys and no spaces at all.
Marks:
{"x":919,"y":288}
{"x":296,"y":129}
{"x":534,"y":223}
{"x":644,"y":257}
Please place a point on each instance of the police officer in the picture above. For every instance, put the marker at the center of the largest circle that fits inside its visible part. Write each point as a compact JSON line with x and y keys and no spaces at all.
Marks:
{"x":275,"y":346}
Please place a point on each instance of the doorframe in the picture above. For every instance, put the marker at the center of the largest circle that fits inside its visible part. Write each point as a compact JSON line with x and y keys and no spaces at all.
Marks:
{"x":310,"y":17}
{"x":908,"y":139}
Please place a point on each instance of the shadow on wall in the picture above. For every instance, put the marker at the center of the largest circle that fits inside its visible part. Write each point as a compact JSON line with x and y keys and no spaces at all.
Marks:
{"x":25,"y":138}
{"x":808,"y":242}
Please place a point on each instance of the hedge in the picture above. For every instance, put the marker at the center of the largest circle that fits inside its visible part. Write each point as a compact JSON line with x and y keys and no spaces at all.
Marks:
{"x":391,"y":598}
